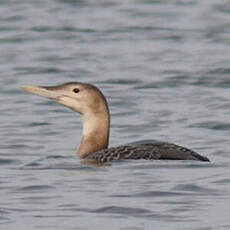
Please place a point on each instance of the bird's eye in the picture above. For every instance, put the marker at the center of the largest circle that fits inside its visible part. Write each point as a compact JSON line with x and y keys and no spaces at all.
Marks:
{"x":76,"y":90}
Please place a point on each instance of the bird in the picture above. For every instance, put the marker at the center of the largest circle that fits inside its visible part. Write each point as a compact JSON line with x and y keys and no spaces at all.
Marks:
{"x":91,"y":104}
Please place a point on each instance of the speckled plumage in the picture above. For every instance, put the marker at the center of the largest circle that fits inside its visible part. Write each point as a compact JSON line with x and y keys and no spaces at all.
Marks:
{"x":152,"y":150}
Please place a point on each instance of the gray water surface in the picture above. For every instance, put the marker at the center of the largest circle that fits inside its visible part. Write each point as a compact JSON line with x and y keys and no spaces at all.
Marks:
{"x":164,"y":68}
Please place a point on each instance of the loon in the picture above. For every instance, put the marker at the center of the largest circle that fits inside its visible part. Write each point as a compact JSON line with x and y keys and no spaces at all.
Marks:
{"x":90,"y":102}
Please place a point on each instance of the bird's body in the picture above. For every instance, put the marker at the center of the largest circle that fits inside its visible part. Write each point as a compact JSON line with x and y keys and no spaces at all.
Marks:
{"x":89,"y":101}
{"x":152,"y":150}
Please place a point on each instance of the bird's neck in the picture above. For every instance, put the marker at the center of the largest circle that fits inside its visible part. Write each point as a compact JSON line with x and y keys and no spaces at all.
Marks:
{"x":95,"y":133}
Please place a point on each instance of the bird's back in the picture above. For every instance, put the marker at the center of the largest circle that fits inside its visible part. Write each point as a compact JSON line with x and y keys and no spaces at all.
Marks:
{"x":148,"y":150}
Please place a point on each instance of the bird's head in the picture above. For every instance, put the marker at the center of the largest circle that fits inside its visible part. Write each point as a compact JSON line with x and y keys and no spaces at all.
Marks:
{"x":80,"y":97}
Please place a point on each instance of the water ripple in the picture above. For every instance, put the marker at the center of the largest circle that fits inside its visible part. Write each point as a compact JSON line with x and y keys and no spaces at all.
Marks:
{"x":5,"y":161}
{"x":34,"y":189}
{"x":164,"y":67}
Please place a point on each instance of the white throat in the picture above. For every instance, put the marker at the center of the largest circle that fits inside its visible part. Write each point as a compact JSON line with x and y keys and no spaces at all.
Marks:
{"x":95,"y":133}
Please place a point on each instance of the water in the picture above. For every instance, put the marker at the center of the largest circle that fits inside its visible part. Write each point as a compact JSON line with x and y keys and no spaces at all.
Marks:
{"x":164,"y":68}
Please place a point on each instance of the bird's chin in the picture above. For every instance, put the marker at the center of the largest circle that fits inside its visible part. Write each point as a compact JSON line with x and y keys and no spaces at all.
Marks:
{"x":67,"y":101}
